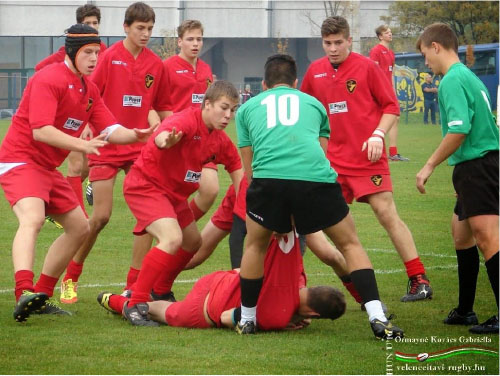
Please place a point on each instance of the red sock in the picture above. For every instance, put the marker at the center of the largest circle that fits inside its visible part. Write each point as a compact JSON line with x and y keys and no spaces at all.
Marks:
{"x":46,"y":284}
{"x":76,"y":184}
{"x":73,"y":271}
{"x":197,"y":212}
{"x":352,"y":290}
{"x":164,"y":284}
{"x":116,"y":302}
{"x":24,"y":281}
{"x":393,"y":150}
{"x":154,"y":265}
{"x":131,"y":277}
{"x":414,"y":267}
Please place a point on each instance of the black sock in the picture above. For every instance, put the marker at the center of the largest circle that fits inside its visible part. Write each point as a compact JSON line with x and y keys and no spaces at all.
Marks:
{"x":346,"y":278}
{"x":468,"y":268}
{"x":492,"y":269}
{"x":250,"y":290}
{"x":366,"y":284}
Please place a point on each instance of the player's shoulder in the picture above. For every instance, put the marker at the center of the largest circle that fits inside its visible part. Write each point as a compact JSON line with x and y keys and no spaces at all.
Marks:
{"x":150,"y":54}
{"x":171,"y":61}
{"x":52,"y":74}
{"x":319,"y":63}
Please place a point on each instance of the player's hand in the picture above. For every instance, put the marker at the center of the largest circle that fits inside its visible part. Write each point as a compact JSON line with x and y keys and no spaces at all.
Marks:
{"x":422,"y":177}
{"x":297,"y":325}
{"x":92,"y":146}
{"x":375,"y":146}
{"x":166,"y":140}
{"x":143,"y":134}
{"x":87,"y":133}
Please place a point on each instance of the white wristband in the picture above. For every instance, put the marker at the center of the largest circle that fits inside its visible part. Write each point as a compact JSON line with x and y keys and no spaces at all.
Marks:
{"x":378,"y":132}
{"x":376,"y":139}
{"x":109,"y":130}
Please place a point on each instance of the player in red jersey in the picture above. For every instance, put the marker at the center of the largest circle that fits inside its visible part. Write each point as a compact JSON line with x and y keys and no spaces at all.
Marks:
{"x":157,"y":196}
{"x":78,"y":170}
{"x":129,"y":77}
{"x":56,"y":105}
{"x":362,"y":107}
{"x":214,"y":300}
{"x":384,"y":57}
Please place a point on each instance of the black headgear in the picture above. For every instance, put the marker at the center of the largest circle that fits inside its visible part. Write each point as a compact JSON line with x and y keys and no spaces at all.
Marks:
{"x":77,"y":36}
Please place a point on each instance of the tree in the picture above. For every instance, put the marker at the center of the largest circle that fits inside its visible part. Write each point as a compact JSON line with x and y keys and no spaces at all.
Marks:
{"x":474,"y":22}
{"x":169,"y":46}
{"x":331,"y":8}
{"x":281,"y":45}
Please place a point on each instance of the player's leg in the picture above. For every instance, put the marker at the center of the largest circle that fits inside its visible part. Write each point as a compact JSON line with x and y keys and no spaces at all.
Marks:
{"x":207,"y":192}
{"x":393,"y":143}
{"x":157,"y":310}
{"x":384,"y":208}
{"x":468,"y":269}
{"x":237,"y":241}
{"x":76,"y":162}
{"x":211,"y":236}
{"x":141,"y":246}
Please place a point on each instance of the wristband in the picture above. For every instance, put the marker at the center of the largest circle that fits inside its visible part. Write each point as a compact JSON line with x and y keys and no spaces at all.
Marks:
{"x":379,"y":132}
{"x":376,"y":139}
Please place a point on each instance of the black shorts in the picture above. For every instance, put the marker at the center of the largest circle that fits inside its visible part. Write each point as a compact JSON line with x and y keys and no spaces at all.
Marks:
{"x":314,"y":206}
{"x":476,"y":184}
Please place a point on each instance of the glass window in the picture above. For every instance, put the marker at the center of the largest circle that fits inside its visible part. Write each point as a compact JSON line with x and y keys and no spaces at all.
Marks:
{"x":11,"y":55}
{"x":35,"y":49}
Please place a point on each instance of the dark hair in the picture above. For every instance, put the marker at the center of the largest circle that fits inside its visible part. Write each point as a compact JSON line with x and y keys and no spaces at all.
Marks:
{"x":335,"y":25}
{"x":327,"y":301}
{"x":87,"y":10}
{"x":219,"y":89}
{"x":187,"y":25}
{"x":381,"y":29}
{"x":439,"y":33}
{"x":280,"y":69}
{"x":139,"y":11}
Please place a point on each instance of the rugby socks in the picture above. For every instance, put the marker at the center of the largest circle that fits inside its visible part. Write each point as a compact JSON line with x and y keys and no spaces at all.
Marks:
{"x":197,"y":212}
{"x":492,"y":269}
{"x":116,"y":303}
{"x":347,"y":282}
{"x":468,"y":269}
{"x":164,"y":283}
{"x":154,"y":265}
{"x":73,"y":271}
{"x":414,"y":267}
{"x":76,"y":183}
{"x":250,"y":290}
{"x":24,"y":281}
{"x":131,"y":277}
{"x":393,"y":150}
{"x":46,"y":284}
{"x":366,"y":285}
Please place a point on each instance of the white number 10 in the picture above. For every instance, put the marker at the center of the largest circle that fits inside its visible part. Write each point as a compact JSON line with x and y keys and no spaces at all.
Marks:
{"x":288,"y":109}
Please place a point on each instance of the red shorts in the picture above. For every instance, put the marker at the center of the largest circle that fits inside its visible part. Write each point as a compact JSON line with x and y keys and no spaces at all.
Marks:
{"x":223,"y":216}
{"x":188,"y":313}
{"x":30,"y":180}
{"x":107,"y":170}
{"x":359,"y":187}
{"x":148,"y":203}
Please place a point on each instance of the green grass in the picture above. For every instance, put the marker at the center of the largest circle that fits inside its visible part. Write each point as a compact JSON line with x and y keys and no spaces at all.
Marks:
{"x":94,"y":342}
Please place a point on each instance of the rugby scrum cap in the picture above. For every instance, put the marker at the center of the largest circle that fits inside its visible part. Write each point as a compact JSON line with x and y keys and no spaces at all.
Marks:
{"x":78,"y":36}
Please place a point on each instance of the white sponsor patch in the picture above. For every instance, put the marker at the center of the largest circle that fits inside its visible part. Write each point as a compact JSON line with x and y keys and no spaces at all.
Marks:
{"x":182,"y":71}
{"x":320,"y":75}
{"x":455,"y":123}
{"x":118,"y":62}
{"x":197,"y":98}
{"x":337,"y":107}
{"x":73,"y":124}
{"x":192,"y":176}
{"x":132,"y":100}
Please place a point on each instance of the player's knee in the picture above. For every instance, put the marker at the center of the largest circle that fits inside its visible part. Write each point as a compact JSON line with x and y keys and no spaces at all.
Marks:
{"x":98,"y":222}
{"x":32,"y":223}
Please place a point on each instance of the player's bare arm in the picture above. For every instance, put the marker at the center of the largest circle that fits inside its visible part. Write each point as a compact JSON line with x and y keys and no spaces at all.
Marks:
{"x":236,"y":177}
{"x":323,"y":142}
{"x":54,"y":137}
{"x":117,"y":134}
{"x":246,"y":158}
{"x":166,"y":139}
{"x":375,"y":143}
{"x":450,"y":143}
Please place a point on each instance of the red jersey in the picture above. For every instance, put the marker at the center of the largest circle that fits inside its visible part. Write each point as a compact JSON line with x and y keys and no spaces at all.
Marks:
{"x":279,"y":298}
{"x":385,"y":59}
{"x":355,"y":96}
{"x":54,"y":96}
{"x":240,"y":204}
{"x":177,"y":170}
{"x":58,"y":57}
{"x":186,"y":86}
{"x":130,"y":88}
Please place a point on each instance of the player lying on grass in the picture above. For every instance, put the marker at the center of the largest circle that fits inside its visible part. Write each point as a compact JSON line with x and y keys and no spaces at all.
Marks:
{"x":214,"y":300}
{"x":57,"y":104}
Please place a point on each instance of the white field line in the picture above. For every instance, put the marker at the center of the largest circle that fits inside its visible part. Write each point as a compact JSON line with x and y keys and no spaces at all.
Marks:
{"x":427,"y":254}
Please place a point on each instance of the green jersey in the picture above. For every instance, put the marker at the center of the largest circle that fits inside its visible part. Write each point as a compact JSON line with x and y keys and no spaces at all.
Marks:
{"x":465,"y":108}
{"x":283,"y":126}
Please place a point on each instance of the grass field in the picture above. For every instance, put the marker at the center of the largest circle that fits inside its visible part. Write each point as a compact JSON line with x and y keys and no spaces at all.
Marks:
{"x":95,"y":342}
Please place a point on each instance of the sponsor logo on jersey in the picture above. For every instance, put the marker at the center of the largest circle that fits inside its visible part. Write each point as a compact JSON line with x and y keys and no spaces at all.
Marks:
{"x":376,"y":180}
{"x":70,"y":86}
{"x":319,"y":75}
{"x":197,"y":98}
{"x":89,"y":105}
{"x":148,"y":80}
{"x":73,"y":124}
{"x":182,"y":71}
{"x":192,"y":176}
{"x":337,"y":107}
{"x":197,"y":138}
{"x":351,"y":86}
{"x":132,"y":100}
{"x":118,"y":62}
